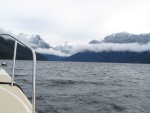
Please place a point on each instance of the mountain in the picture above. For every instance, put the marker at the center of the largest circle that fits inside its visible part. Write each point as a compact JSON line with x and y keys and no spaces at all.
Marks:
{"x":42,"y":48}
{"x":34,"y":41}
{"x":94,"y":42}
{"x":51,"y":57}
{"x":66,"y":48}
{"x":107,"y":56}
{"x":111,"y":56}
{"x":6,"y":51}
{"x":117,"y":47}
{"x":125,"y":56}
{"x":124,"y":37}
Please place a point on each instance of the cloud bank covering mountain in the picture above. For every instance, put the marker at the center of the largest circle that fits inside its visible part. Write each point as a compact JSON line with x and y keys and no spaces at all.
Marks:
{"x":35,"y":41}
{"x":116,"y":42}
{"x":39,"y":44}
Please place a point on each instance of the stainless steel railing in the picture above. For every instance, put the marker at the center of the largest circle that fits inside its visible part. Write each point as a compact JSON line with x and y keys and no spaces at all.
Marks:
{"x":34,"y":68}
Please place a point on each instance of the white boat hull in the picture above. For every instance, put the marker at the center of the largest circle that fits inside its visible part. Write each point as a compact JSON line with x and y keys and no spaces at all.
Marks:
{"x":12,"y":99}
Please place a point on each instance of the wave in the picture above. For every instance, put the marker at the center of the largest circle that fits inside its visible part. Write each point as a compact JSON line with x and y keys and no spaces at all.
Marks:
{"x":60,"y":82}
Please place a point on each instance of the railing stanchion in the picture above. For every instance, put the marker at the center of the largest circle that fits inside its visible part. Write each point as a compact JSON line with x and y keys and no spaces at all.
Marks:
{"x":14,"y":62}
{"x":34,"y":81}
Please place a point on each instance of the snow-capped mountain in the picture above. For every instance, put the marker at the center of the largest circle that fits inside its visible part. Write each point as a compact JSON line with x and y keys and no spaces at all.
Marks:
{"x":66,"y":48}
{"x":124,"y":37}
{"x":34,"y":41}
{"x":94,"y":42}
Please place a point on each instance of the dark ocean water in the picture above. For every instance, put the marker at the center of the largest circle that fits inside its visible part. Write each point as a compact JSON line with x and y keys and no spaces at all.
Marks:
{"x":76,"y":87}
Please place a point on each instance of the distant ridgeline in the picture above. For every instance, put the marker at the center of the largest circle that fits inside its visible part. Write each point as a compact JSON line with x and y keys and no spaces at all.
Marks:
{"x":7,"y":49}
{"x":108,"y":57}
{"x":111,"y":56}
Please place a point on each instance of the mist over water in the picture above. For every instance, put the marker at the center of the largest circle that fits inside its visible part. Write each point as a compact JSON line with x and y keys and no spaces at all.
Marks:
{"x":76,"y":87}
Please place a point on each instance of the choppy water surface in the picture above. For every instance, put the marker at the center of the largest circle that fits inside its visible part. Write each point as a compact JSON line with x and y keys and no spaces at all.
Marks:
{"x":73,"y":87}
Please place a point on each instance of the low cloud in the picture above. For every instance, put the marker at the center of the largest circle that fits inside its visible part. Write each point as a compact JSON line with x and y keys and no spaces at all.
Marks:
{"x":133,"y":47}
{"x":50,"y":51}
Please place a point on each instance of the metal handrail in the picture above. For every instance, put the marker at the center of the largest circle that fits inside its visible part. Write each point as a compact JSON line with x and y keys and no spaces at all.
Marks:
{"x":34,"y":68}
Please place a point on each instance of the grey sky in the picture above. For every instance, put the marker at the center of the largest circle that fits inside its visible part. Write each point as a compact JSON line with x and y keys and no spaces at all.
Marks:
{"x":75,"y":21}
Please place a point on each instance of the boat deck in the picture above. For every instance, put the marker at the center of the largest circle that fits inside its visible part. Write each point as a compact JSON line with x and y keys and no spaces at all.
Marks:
{"x":12,"y":99}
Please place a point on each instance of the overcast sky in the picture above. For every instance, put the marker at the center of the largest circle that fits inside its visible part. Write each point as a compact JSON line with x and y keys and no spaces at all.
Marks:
{"x":75,"y":21}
